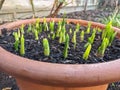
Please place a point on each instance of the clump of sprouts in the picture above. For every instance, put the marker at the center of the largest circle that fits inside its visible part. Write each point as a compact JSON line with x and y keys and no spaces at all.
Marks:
{"x":108,"y":36}
{"x":64,"y":37}
{"x":19,"y":40}
{"x":109,"y":33}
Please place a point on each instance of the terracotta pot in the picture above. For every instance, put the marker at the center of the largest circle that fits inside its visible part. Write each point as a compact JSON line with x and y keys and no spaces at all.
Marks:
{"x":34,"y":75}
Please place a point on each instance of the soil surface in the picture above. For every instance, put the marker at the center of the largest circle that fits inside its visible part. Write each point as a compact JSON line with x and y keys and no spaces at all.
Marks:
{"x":34,"y":48}
{"x":8,"y":81}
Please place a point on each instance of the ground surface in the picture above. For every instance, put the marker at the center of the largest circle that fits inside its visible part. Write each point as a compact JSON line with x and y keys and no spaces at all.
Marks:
{"x":8,"y":81}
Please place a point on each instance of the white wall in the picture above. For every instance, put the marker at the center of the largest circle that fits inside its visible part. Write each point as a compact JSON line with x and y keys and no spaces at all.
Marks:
{"x":18,"y":9}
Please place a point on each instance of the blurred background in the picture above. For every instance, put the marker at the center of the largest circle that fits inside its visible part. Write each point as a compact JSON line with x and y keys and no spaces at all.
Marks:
{"x":20,"y":9}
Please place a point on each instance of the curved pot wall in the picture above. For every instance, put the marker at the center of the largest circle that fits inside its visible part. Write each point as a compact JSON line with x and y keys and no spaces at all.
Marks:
{"x":48,"y":76}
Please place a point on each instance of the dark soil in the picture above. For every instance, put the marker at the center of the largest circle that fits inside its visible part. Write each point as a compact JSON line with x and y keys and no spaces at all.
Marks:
{"x":55,"y":48}
{"x":7,"y":81}
{"x":34,"y":48}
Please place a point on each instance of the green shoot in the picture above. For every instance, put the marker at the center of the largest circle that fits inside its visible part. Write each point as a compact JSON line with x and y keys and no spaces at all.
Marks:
{"x":45,"y":25}
{"x":16,"y":43}
{"x":18,"y":33}
{"x":29,"y":28}
{"x":22,"y":45}
{"x":88,"y":29}
{"x":62,"y":35}
{"x":77,"y":27}
{"x":66,"y":46}
{"x":70,"y":31}
{"x":59,"y":24}
{"x":99,"y":30}
{"x":49,"y":36}
{"x":87,"y":52}
{"x":112,"y":38}
{"x":53,"y":36}
{"x":37,"y":24}
{"x":36,"y":35}
{"x":44,"y":20}
{"x":63,"y":21}
{"x":102,"y":48}
{"x":33,"y":28}
{"x":16,"y":36}
{"x":60,"y":39}
{"x":46,"y":47}
{"x":107,"y":30}
{"x":109,"y":33}
{"x":82,"y":36}
{"x":74,"y":39}
{"x":91,"y":38}
{"x":38,"y":20}
{"x":58,"y":31}
{"x":52,"y":26}
{"x":22,"y":29}
{"x":40,"y":29}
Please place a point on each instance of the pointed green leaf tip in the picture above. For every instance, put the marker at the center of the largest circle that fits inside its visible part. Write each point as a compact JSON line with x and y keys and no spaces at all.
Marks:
{"x":36,"y":35}
{"x":109,"y":33}
{"x":102,"y":47}
{"x":45,"y":24}
{"x":88,"y":29}
{"x":77,"y":27}
{"x":52,"y":26}
{"x":46,"y":47}
{"x":16,"y":43}
{"x":82,"y":36}
{"x":74,"y":39}
{"x":29,"y":28}
{"x":70,"y":31}
{"x":66,"y":46}
{"x":22,"y":29}
{"x":87,"y":52}
{"x":92,"y":37}
{"x":37,"y":25}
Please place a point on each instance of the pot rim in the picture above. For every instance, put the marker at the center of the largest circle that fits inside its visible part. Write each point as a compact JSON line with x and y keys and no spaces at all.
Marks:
{"x":68,"y":75}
